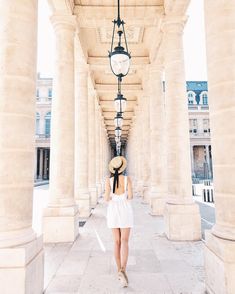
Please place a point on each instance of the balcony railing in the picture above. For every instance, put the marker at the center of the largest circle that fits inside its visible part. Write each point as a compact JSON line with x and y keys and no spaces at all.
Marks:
{"x":43,"y":136}
{"x":198,"y":107}
{"x":43,"y":99}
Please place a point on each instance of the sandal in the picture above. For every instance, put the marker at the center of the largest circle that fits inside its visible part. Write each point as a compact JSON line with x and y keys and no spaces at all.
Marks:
{"x":123,"y":278}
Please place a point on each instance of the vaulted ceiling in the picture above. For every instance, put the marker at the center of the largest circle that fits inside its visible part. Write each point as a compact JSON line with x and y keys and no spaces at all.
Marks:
{"x":143,"y":20}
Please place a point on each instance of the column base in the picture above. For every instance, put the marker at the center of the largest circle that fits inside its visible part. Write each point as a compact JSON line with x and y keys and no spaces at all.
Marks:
{"x":157,"y":205}
{"x":60,"y":224}
{"x":84,"y":206}
{"x":219,"y":265}
{"x":99,"y":190}
{"x":182,"y":222}
{"x":22,"y":268}
{"x":146,"y":195}
{"x":140,"y":189}
{"x":93,"y":197}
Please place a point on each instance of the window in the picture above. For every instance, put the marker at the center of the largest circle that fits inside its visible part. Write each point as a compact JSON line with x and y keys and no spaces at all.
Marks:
{"x":50,"y":93}
{"x":193,"y":126}
{"x":206,"y":125}
{"x":204,"y":98}
{"x":48,"y":124}
{"x":191,"y":97}
{"x":37,"y":93}
{"x":37,"y":123}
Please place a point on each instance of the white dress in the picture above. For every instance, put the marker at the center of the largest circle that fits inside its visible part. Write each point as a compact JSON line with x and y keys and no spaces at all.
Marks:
{"x":119,"y":210}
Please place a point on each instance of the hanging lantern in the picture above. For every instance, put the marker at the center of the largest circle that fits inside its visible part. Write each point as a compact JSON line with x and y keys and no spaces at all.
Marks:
{"x":118,"y":120}
{"x":118,"y":132}
{"x":120,"y":103}
{"x":117,"y":139}
{"x":119,"y":55}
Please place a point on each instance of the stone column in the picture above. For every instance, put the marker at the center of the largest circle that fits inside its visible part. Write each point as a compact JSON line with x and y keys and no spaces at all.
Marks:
{"x":97,"y":139}
{"x":139,"y":151}
{"x":21,"y":250}
{"x":182,"y":217}
{"x":146,"y":137}
{"x":35,"y":163}
{"x":220,"y":242}
{"x":92,"y":149}
{"x":61,"y":216}
{"x":192,"y":161}
{"x":41,"y":164}
{"x":82,"y":195}
{"x":208,"y":161}
{"x":101,"y":155}
{"x":157,"y":143}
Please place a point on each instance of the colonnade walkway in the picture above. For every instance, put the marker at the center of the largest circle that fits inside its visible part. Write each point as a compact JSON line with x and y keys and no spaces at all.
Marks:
{"x":155,"y":266}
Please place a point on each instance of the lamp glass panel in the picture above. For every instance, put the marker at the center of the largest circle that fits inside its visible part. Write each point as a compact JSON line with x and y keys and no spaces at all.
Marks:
{"x":118,"y":133}
{"x":118,"y":122}
{"x":119,"y":103}
{"x":120,"y":64}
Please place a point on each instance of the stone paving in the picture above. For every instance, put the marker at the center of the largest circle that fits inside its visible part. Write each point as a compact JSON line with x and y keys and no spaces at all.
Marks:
{"x":155,"y":266}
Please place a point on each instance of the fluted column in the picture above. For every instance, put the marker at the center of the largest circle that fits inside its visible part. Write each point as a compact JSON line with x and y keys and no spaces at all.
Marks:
{"x":97,"y":139}
{"x":92,"y":149}
{"x":182,"y":218}
{"x":102,"y":148}
{"x":21,"y":251}
{"x":82,"y":195}
{"x":220,"y":242}
{"x":139,"y":151}
{"x":60,"y":217}
{"x":157,"y":142}
{"x":146,"y":138}
{"x":192,"y":161}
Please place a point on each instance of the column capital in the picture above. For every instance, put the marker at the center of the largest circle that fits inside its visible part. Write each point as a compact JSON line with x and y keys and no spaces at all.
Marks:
{"x":60,"y":21}
{"x":173,"y":24}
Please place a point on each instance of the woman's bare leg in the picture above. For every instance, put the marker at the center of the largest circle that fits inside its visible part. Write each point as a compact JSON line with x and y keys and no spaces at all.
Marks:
{"x":117,"y":246}
{"x":125,"y":233}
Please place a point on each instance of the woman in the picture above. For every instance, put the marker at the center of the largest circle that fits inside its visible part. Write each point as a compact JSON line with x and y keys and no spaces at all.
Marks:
{"x":118,"y":193}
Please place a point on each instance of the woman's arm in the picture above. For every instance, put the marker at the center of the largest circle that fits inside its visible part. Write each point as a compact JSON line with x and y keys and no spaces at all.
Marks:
{"x":129,"y":189}
{"x":107,"y":190}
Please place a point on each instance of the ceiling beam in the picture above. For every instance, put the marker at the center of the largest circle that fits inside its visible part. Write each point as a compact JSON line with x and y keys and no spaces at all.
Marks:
{"x":93,"y":16}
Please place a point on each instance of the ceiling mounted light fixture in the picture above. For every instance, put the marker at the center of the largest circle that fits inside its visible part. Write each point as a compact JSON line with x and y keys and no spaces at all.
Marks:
{"x":119,"y":56}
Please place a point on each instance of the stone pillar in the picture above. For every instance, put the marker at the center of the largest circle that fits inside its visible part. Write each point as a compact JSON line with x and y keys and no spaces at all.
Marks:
{"x":60,"y":217}
{"x":139,"y":151}
{"x":97,"y":139}
{"x":35,"y":163}
{"x":92,"y":149}
{"x":41,"y":164}
{"x":182,"y":217}
{"x":220,"y":242}
{"x":82,"y":195}
{"x":146,"y":137}
{"x":192,"y":161}
{"x":21,"y":250}
{"x":208,"y":161}
{"x":157,"y":146}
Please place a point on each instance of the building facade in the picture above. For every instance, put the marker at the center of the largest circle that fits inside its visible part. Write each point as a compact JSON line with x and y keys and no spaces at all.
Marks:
{"x":43,"y":128}
{"x":199,"y":129}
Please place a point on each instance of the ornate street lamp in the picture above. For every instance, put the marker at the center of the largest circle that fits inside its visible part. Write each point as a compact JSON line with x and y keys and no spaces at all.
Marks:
{"x":118,"y":132}
{"x":119,"y":56}
{"x":117,"y":139}
{"x":118,"y":120}
{"x":120,"y":101}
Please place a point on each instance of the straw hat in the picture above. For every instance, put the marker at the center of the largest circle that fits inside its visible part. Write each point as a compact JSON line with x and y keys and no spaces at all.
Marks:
{"x":118,"y":162}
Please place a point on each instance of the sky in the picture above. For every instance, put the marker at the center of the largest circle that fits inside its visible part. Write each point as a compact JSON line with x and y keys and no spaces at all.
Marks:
{"x":194,"y":42}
